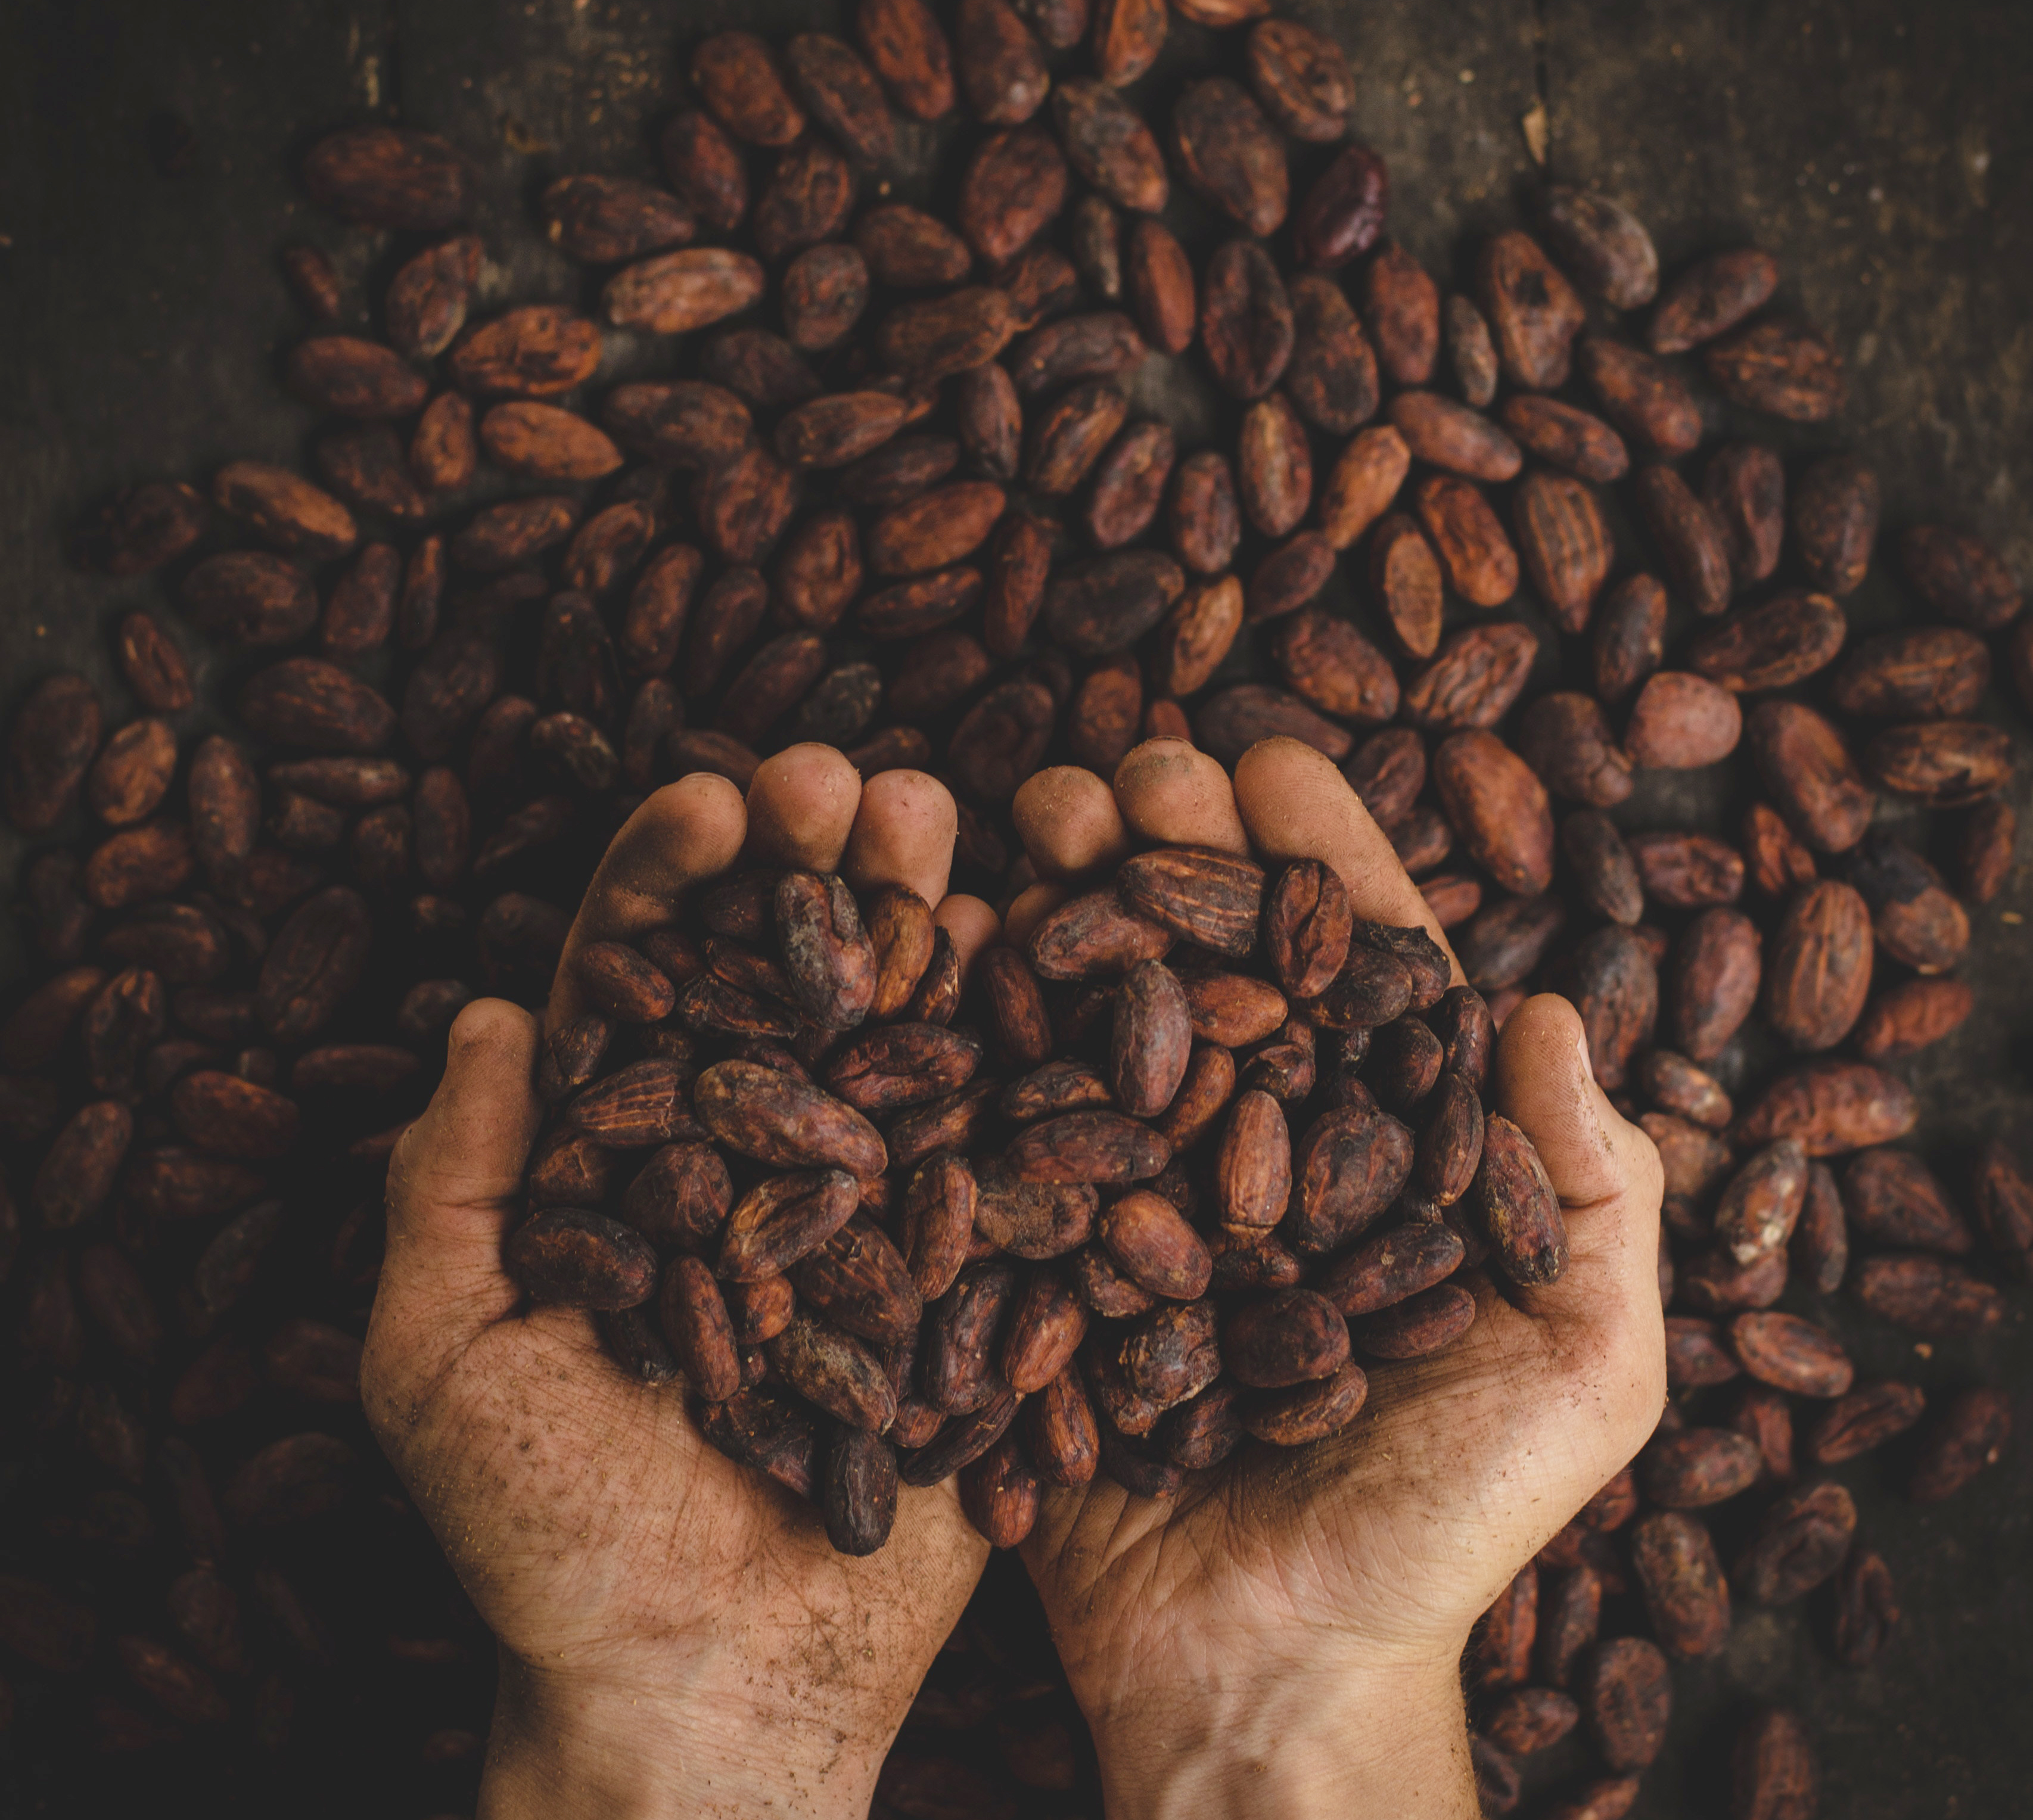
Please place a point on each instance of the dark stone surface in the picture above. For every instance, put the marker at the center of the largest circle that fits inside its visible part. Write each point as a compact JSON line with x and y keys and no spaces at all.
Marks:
{"x":1884,"y":150}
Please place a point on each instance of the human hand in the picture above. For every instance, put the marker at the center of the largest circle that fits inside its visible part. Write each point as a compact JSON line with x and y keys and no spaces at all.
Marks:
{"x":676,"y":1631}
{"x":1285,"y":1637}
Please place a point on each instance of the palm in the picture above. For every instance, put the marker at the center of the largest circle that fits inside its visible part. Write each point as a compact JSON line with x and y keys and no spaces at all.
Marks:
{"x":628,"y":1531}
{"x":1369,"y":1535}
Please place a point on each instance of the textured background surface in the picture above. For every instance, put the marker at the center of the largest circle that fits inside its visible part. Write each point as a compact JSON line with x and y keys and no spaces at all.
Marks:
{"x":1884,"y":150}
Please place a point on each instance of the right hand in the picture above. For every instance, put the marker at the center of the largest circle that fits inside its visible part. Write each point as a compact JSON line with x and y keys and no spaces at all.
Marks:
{"x":1285,"y":1637}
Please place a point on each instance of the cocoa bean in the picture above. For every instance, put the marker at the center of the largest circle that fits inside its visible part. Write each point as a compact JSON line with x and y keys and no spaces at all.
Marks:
{"x":1890,"y":1197}
{"x":1530,"y":1719}
{"x":579,"y":1259}
{"x":1307,"y":1412}
{"x":1100,"y":1147}
{"x":1629,"y":638}
{"x":1819,"y":972}
{"x":1689,"y":538}
{"x":1566,"y":738}
{"x":1865,"y":1609}
{"x":1960,"y":577}
{"x":1501,"y":809}
{"x":1626,"y":1694}
{"x":538,"y":350}
{"x":1505,"y":942}
{"x":1015,"y":183}
{"x":1472,"y":352}
{"x":1293,"y":1336}
{"x":1566,"y":545}
{"x":1941,"y":762}
{"x":1937,"y":672}
{"x":1608,"y":247}
{"x":1302,"y":79}
{"x":1613,"y":983}
{"x":1518,"y":1208}
{"x":1745,"y":488}
{"x":1421,"y":1324}
{"x":784,"y":1122}
{"x":1831,"y":1106}
{"x":1773,"y":646}
{"x":1481,"y":566}
{"x":1698,"y":1467}
{"x":1682,"y":1581}
{"x":1855,"y":1423}
{"x":50,"y":747}
{"x":1391,"y":1268}
{"x":1644,"y":397}
{"x":1246,"y":320}
{"x":1532,"y":311}
{"x":1835,"y":521}
{"x":1711,"y":297}
{"x":1785,"y":367}
{"x":1231,"y":157}
{"x":1791,"y":1354}
{"x":1809,"y":773}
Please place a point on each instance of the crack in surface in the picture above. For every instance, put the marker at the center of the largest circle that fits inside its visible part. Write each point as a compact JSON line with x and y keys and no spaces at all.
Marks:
{"x":1539,"y":82}
{"x":391,"y":61}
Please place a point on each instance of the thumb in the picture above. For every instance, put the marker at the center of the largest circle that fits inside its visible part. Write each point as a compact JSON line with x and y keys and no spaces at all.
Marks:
{"x":453,"y":1184}
{"x":1605,"y":1170}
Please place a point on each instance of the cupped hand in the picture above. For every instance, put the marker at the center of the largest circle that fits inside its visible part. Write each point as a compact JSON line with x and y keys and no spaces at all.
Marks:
{"x":1284,"y":1637}
{"x":676,"y":1631}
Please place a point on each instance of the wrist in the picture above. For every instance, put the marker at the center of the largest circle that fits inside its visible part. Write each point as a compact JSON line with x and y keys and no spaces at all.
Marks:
{"x":1291,"y":1744}
{"x":564,"y":1747}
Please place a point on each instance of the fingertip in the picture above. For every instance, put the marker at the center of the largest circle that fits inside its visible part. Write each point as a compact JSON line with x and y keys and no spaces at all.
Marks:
{"x":1032,"y":906}
{"x":903,"y":834}
{"x":685,"y":831}
{"x":488,"y":1026}
{"x":1068,"y":820}
{"x":1282,"y":763}
{"x":703,"y":801}
{"x":1171,"y":793}
{"x":678,"y":835}
{"x":971,"y":924}
{"x":1546,"y":1021}
{"x":801,"y":803}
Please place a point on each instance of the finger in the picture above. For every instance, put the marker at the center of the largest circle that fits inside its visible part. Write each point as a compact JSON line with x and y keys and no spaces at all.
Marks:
{"x":1068,"y":822}
{"x":455,"y":1180}
{"x":903,"y":834}
{"x":1030,"y":909}
{"x":688,"y":831}
{"x":971,"y":926}
{"x":1171,"y":793}
{"x":1605,"y":1170}
{"x":1546,"y":1088}
{"x":802,"y":803}
{"x":1296,"y":806}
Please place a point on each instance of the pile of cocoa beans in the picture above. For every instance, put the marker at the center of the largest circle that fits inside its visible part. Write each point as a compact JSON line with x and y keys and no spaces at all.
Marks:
{"x":905,"y":482}
{"x":903,"y":1291}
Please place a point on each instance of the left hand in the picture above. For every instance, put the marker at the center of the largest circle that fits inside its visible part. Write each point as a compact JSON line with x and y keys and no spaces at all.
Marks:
{"x":677,"y":1633}
{"x":1285,"y":1637}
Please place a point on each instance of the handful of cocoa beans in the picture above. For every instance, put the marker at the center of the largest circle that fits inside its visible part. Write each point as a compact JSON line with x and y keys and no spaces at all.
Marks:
{"x":1108,"y":1254}
{"x":881,"y":485}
